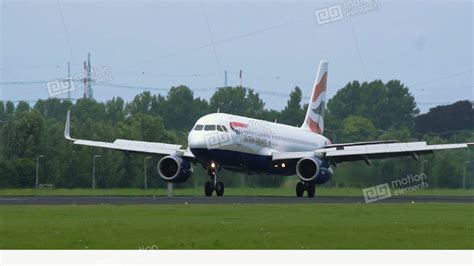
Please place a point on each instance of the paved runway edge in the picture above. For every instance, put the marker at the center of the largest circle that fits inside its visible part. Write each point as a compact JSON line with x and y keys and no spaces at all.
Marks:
{"x":150,"y":200}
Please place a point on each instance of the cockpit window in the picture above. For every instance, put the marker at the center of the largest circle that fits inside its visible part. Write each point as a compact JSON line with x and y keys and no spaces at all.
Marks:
{"x":198,"y":127}
{"x":219,"y":128}
{"x":210,"y":127}
{"x":225,"y":129}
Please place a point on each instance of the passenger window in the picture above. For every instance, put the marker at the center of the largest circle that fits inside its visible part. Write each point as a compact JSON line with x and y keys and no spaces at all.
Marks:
{"x":210,"y":127}
{"x":198,"y":127}
{"x":219,"y":128}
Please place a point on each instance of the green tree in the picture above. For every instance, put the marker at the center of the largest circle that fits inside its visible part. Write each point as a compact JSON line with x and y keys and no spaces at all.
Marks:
{"x":115,"y":110}
{"x":142,"y":103}
{"x":180,"y":109}
{"x":229,"y":100}
{"x":446,"y":119}
{"x":237,"y":101}
{"x":22,"y":107}
{"x":22,"y":135}
{"x":402,"y":134}
{"x":385,"y":105}
{"x":3,"y":112}
{"x":53,"y":108}
{"x":293,"y":114}
{"x":358,"y":128}
{"x":10,"y":108}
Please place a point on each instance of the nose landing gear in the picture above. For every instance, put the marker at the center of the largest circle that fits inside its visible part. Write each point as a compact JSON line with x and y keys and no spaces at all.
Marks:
{"x":301,"y":187}
{"x":213,"y":185}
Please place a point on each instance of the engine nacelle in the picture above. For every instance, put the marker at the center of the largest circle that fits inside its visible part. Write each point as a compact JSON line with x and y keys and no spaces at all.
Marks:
{"x":174,"y":169}
{"x":313,"y":170}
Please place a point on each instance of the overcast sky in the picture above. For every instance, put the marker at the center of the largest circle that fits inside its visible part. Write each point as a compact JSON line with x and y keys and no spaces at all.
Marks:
{"x":428,"y":45}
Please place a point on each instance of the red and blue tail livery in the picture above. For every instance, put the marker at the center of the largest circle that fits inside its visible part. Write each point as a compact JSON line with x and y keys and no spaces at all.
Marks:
{"x":314,"y":119}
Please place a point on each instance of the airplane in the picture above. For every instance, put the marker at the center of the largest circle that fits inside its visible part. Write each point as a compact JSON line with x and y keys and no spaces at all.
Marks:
{"x":241,"y":144}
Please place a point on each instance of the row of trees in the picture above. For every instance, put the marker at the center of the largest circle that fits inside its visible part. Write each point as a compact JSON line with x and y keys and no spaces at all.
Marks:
{"x":358,"y":112}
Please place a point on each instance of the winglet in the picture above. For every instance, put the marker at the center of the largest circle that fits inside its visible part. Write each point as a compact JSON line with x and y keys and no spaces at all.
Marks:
{"x":67,"y":127}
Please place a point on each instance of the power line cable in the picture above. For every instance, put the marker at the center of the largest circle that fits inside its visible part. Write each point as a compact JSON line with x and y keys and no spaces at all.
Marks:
{"x":442,"y":78}
{"x":185,"y":51}
{"x":218,"y":64}
{"x":65,"y":32}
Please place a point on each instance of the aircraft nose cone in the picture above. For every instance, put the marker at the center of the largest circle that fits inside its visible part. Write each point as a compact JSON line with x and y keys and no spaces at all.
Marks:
{"x":196,"y":141}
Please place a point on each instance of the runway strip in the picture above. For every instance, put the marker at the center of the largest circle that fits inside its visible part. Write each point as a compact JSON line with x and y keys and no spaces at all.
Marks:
{"x":148,"y":200}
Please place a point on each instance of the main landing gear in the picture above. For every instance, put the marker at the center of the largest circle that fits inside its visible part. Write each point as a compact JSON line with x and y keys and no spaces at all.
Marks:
{"x":213,"y":185}
{"x":309,"y":187}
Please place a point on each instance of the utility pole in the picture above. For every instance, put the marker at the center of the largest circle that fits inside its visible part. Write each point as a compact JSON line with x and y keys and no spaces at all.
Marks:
{"x":170,"y":189}
{"x":89,"y":87}
{"x":88,"y":93}
{"x":464,"y":174}
{"x":37,"y":170}
{"x":93,"y":170}
{"x":145,"y":182}
{"x":85,"y":80}
{"x":225,"y":78}
{"x":240,"y":77}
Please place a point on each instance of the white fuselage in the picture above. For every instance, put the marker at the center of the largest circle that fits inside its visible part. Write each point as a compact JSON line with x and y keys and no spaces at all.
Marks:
{"x":237,"y":142}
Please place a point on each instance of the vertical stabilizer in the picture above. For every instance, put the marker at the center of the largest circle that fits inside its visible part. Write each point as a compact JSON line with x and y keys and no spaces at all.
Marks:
{"x":314,"y":119}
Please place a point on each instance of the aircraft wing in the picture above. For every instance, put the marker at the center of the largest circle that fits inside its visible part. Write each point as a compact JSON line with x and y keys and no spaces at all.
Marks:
{"x":361,"y":143}
{"x":365,"y":153}
{"x":129,"y":145}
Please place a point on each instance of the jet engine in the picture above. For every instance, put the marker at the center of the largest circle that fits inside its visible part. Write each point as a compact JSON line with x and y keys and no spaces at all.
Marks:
{"x":314,"y":170}
{"x":175,"y":169}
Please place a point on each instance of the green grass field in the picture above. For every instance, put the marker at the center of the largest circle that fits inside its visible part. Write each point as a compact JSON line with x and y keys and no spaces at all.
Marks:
{"x":230,"y":191}
{"x":298,"y":226}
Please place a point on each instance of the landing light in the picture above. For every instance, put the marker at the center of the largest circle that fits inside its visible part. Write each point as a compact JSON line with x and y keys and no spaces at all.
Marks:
{"x":283,"y":165}
{"x":213,"y":165}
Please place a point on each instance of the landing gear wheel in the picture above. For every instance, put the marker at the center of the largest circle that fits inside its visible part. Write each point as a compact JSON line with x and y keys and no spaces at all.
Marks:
{"x":208,"y":189}
{"x":311,"y":189}
{"x":220,"y":189}
{"x":212,"y":170}
{"x":300,"y":187}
